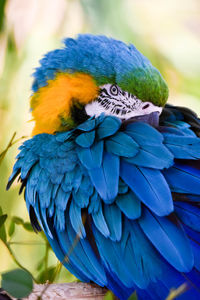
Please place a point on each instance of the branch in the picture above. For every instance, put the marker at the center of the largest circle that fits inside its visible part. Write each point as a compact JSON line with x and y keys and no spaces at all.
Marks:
{"x":69,"y":291}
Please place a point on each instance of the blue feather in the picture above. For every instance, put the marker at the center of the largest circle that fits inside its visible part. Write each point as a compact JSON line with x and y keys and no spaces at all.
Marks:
{"x":35,"y":175}
{"x":81,"y":199}
{"x":129,"y":204}
{"x":193,"y":278}
{"x":157,"y":158}
{"x":172,"y":130}
{"x":123,"y":188}
{"x":95,"y":203}
{"x":55,"y":190}
{"x":150,"y":187}
{"x":183,"y":152}
{"x":26,"y":166}
{"x":43,"y":218}
{"x":87,"y":125}
{"x":122,"y":145}
{"x":108,"y":127}
{"x":192,"y":234}
{"x":56,"y":178}
{"x":189,"y":214}
{"x":144,"y":134}
{"x":86,"y":186}
{"x":184,"y":178}
{"x":113,"y":219}
{"x":85,"y":256}
{"x":40,"y":218}
{"x":43,"y":183}
{"x":146,"y":257}
{"x":59,"y":219}
{"x":65,"y":148}
{"x":67,"y":183}
{"x":100,"y":222}
{"x":30,"y":194}
{"x":175,"y":139}
{"x":63,"y":136}
{"x":76,"y":219}
{"x":196,"y":250}
{"x":91,"y":158}
{"x":51,"y":209}
{"x":66,"y":261}
{"x":62,"y":199}
{"x":64,"y":175}
{"x":170,"y":240}
{"x":111,"y":259}
{"x":72,"y":179}
{"x":70,"y":256}
{"x":106,"y":178}
{"x":86,"y":139}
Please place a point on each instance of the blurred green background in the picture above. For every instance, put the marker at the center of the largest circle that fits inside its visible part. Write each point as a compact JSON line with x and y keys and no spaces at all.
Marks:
{"x":167,"y":32}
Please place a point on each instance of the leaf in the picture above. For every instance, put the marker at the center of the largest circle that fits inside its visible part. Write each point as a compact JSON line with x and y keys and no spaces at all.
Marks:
{"x":47,"y":274}
{"x":3,"y":236}
{"x":109,"y":296}
{"x":11,"y":228}
{"x":40,"y":264}
{"x":18,"y":283}
{"x":2,"y":14}
{"x":28,"y":226}
{"x":2,"y":227}
{"x":18,"y":220}
{"x":3,"y":219}
{"x":133,"y":296}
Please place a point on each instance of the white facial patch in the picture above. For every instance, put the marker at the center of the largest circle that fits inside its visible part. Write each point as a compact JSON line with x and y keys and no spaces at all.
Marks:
{"x":112,"y":100}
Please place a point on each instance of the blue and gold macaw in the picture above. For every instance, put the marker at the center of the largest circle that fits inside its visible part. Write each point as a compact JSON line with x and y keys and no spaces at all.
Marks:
{"x":110,"y":163}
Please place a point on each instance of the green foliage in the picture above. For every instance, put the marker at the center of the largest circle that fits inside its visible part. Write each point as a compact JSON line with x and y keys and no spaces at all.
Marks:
{"x":11,"y":229}
{"x":109,"y":296}
{"x":2,"y":8}
{"x":133,"y":297}
{"x":47,"y":275}
{"x":19,"y":221}
{"x":3,"y":218}
{"x":18,"y":283}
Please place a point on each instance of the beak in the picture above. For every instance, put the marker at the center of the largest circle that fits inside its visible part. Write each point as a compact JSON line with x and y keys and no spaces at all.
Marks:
{"x":152,"y":119}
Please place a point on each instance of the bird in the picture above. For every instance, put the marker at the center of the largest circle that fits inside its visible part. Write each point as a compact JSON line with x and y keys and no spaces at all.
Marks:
{"x":111,"y":173}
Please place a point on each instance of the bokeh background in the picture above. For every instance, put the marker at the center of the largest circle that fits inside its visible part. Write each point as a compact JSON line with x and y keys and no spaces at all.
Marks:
{"x":167,"y":32}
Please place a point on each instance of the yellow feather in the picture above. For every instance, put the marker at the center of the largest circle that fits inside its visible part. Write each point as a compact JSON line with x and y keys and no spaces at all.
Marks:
{"x":57,"y":97}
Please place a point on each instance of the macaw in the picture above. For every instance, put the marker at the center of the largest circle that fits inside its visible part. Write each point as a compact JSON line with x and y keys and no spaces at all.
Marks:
{"x":112,"y":173}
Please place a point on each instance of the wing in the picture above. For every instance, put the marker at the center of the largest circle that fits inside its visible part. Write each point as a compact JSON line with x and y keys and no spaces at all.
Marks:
{"x":119,"y":204}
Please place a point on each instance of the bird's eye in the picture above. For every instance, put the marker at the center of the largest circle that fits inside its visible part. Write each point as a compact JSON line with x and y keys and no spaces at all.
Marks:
{"x":114,"y":90}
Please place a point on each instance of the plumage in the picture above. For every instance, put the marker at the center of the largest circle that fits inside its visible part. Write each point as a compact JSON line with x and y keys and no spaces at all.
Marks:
{"x":189,"y":214}
{"x":117,"y":193}
{"x":122,"y":145}
{"x":150,"y":187}
{"x":91,"y":157}
{"x":180,"y":178}
{"x":129,"y":204}
{"x":106,"y":178}
{"x":175,"y":246}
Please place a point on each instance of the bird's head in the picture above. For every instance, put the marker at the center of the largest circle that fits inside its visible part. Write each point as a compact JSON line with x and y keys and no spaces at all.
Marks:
{"x":93,"y":75}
